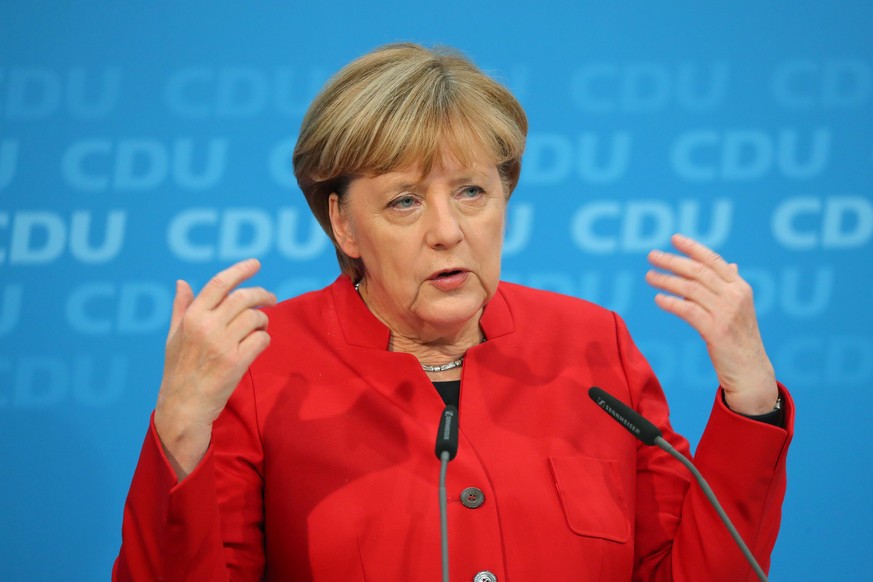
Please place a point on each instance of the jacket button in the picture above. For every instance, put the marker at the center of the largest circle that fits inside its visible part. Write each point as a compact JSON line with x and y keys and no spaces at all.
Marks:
{"x":473,"y":497}
{"x":484,"y":576}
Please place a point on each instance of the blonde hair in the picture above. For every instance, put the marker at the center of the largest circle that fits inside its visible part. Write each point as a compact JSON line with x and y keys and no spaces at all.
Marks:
{"x":397,"y":106}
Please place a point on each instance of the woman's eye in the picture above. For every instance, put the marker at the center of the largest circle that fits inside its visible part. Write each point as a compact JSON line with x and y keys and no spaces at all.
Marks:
{"x":403,"y":202}
{"x":471,"y":191}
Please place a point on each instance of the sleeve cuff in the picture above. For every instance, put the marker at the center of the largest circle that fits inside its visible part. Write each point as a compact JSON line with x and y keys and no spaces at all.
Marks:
{"x":781,"y":418}
{"x":775,"y":417}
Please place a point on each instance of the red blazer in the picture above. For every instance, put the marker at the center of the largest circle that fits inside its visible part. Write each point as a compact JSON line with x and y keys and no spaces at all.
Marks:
{"x":322,"y":465}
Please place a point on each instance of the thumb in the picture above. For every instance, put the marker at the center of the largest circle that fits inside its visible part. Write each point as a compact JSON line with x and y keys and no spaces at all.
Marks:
{"x":184,"y":297}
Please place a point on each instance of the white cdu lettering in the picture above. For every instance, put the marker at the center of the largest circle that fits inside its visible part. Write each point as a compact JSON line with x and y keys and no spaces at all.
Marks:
{"x":37,"y":237}
{"x":639,"y":226}
{"x":745,"y":155}
{"x":207,"y":234}
{"x":94,"y":165}
{"x":838,"y":222}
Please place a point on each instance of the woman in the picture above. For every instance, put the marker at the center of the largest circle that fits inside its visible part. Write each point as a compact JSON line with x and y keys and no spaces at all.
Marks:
{"x":305,"y":452}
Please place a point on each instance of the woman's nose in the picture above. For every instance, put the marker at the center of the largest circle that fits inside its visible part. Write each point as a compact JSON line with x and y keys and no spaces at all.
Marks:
{"x":443,"y":225}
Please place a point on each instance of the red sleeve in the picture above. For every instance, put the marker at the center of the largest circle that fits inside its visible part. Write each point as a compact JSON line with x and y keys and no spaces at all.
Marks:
{"x":679,"y":536}
{"x":209,"y":526}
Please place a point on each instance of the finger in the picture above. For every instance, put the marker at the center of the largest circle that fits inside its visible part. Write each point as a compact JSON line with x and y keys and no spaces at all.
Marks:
{"x":689,"y":289}
{"x":687,"y":268}
{"x":252,"y":346}
{"x":224,"y":282}
{"x":242,"y":299}
{"x":183,"y":299}
{"x":690,"y":312}
{"x":246,"y":323}
{"x":704,"y":254}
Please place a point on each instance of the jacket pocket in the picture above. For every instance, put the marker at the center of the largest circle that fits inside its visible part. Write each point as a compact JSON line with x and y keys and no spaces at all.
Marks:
{"x":592,"y":496}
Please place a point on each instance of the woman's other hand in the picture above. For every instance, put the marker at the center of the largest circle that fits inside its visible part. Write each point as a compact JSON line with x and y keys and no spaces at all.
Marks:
{"x":710,"y":295}
{"x":213,"y":339}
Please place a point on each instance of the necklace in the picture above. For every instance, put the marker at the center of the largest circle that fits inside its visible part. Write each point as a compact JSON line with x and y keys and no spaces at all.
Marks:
{"x":427,"y":367}
{"x":443,"y":367}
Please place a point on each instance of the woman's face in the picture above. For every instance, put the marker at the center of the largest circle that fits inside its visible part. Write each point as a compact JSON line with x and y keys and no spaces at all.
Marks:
{"x":430,"y":244}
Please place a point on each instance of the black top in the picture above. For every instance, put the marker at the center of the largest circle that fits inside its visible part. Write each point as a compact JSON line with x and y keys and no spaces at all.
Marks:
{"x":450,"y":391}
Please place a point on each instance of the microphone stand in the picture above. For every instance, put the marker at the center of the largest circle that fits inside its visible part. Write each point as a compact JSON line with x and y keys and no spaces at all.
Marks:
{"x":707,"y":490}
{"x":444,"y":521}
{"x":649,"y":434}
{"x":446,"y":449}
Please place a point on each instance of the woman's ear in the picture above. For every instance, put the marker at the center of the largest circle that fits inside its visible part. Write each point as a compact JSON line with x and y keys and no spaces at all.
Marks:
{"x":342,"y":228}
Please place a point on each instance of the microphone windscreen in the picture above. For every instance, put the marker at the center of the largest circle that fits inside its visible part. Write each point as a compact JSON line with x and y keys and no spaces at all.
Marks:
{"x":447,"y":434}
{"x":626,"y":416}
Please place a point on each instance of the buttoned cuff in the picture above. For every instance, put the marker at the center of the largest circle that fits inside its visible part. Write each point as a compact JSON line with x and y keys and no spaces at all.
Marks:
{"x":775,"y":417}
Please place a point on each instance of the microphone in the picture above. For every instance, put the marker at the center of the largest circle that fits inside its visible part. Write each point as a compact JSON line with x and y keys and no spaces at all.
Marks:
{"x":447,"y":435}
{"x":626,"y":416}
{"x":649,"y":434}
{"x":446,"y":449}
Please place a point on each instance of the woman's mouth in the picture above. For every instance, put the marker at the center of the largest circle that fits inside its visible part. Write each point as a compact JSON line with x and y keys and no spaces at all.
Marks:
{"x":449,"y":280}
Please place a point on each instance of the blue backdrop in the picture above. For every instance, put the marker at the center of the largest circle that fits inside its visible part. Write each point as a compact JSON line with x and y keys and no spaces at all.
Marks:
{"x":142,"y":142}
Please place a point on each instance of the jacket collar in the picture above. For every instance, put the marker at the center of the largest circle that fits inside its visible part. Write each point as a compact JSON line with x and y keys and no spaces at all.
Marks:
{"x":361,"y":328}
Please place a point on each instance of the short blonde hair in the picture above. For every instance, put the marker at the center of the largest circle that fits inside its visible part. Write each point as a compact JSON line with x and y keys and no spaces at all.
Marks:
{"x":397,"y":106}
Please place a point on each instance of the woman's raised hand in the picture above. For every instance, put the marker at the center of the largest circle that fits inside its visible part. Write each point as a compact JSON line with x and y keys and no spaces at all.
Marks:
{"x":710,"y":295}
{"x":213,"y":339}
